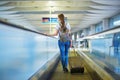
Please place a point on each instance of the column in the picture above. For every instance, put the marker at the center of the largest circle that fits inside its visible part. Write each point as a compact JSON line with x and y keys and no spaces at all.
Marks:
{"x":92,"y":29}
{"x":105,"y":24}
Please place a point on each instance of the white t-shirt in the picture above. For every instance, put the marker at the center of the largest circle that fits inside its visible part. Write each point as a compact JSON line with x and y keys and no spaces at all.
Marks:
{"x":58,"y":27}
{"x":67,"y":26}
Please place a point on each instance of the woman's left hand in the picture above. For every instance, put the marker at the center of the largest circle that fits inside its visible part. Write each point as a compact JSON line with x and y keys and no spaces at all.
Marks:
{"x":71,"y":44}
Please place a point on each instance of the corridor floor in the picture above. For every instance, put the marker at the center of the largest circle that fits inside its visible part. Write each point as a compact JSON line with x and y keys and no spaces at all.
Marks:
{"x":60,"y":75}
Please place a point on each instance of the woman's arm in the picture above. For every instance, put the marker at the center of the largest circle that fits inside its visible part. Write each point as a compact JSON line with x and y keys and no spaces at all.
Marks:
{"x":54,"y":34}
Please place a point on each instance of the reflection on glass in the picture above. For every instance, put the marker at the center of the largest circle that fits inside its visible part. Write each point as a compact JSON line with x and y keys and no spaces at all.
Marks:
{"x":107,"y":51}
{"x":23,"y":53}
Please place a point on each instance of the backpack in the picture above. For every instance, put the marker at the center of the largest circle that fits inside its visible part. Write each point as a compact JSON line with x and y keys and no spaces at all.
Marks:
{"x":64,"y":35}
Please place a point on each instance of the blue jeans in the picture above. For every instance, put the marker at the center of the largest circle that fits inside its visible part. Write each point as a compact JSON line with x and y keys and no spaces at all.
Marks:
{"x":64,"y":48}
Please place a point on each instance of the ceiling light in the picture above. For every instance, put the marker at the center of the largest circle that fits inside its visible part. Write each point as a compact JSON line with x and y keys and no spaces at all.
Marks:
{"x":51,"y":3}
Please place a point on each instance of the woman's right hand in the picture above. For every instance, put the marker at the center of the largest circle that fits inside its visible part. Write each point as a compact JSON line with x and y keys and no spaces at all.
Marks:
{"x":46,"y":34}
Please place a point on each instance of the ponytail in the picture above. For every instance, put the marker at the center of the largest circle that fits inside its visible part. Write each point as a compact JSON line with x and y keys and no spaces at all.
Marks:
{"x":62,"y":23}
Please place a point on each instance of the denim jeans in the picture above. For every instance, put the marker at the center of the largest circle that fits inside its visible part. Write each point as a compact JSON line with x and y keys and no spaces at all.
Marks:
{"x":64,"y":48}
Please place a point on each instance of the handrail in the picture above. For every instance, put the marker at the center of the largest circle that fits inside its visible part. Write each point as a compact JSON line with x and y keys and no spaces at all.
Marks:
{"x":22,"y":27}
{"x":116,"y":27}
{"x":109,"y":31}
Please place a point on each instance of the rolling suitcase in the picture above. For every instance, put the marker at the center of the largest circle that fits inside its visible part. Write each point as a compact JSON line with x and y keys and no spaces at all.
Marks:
{"x":75,"y":63}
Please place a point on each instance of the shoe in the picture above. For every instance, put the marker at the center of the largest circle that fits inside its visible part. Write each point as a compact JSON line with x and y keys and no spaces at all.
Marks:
{"x":65,"y":70}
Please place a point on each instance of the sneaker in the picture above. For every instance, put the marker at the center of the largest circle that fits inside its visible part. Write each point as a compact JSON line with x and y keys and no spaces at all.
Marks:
{"x":65,"y":70}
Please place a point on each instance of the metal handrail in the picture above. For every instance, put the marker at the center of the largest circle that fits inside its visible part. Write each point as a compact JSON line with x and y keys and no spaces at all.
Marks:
{"x":22,"y":27}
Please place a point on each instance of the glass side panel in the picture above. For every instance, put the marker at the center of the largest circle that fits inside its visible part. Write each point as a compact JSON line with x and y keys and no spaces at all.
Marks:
{"x":22,"y":53}
{"x":106,"y":50}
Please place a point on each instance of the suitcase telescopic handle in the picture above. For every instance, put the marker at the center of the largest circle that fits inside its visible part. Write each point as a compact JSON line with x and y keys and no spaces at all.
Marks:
{"x":74,"y":52}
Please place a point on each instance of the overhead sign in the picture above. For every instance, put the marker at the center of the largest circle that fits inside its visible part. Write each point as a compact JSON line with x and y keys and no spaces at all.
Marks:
{"x":47,"y":20}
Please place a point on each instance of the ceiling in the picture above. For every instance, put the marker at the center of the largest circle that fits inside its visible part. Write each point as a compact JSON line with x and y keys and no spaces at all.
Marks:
{"x":80,"y":13}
